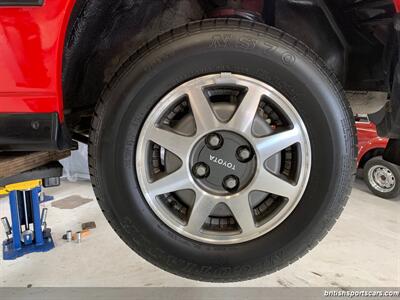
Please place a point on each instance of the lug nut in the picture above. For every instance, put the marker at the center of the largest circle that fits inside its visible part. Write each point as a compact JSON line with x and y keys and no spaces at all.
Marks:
{"x":231,"y":183}
{"x":244,"y":154}
{"x":214,"y":141}
{"x":201,"y":170}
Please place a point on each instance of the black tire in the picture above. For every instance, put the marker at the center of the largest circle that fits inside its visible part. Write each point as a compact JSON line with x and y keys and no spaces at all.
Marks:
{"x":379,"y":161}
{"x":207,"y":47}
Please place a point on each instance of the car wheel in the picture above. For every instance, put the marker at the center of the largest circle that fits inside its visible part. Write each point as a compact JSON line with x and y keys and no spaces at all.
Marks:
{"x":382,"y":178}
{"x":222,"y":151}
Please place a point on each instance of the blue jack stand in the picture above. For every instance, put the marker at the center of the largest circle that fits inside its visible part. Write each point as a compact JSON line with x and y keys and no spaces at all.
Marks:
{"x":29,"y":232}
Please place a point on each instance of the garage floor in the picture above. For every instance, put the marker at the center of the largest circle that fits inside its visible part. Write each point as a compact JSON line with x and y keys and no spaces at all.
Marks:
{"x":361,"y":250}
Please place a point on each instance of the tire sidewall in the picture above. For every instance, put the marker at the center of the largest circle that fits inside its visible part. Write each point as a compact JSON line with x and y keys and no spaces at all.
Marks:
{"x":262,"y":56}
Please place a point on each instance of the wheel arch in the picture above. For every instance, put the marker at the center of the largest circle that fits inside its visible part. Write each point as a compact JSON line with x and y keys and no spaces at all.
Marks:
{"x":96,"y":43}
{"x":368,"y":154}
{"x":101,"y":35}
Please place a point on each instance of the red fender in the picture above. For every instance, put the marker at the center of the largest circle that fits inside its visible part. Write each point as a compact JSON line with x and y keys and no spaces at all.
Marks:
{"x":32,"y":44}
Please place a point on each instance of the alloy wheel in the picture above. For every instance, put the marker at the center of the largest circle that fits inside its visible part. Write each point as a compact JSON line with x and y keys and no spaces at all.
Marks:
{"x":223,"y":159}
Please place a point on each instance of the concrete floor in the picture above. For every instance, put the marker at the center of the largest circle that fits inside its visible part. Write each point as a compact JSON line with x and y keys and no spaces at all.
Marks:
{"x":361,"y":250}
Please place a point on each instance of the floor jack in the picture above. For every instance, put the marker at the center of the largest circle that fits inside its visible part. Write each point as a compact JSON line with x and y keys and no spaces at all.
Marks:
{"x":28,"y":231}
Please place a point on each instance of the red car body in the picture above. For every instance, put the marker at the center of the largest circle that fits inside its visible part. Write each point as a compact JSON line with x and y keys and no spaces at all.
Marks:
{"x":31,"y":54}
{"x":368,"y":141}
{"x":31,"y":45}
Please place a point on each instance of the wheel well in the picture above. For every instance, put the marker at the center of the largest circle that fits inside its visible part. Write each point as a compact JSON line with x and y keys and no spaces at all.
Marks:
{"x":102,"y":34}
{"x":370,"y":154}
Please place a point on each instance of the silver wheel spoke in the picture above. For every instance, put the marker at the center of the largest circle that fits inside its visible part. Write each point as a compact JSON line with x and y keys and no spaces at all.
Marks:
{"x":242,"y":212}
{"x":202,"y":208}
{"x":270,"y":145}
{"x":203,"y":114}
{"x":244,"y":116}
{"x":270,"y":183}
{"x":176,"y":181}
{"x":173,"y":142}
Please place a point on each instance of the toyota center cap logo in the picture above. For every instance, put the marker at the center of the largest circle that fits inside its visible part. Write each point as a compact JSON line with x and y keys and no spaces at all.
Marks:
{"x":222,"y":162}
